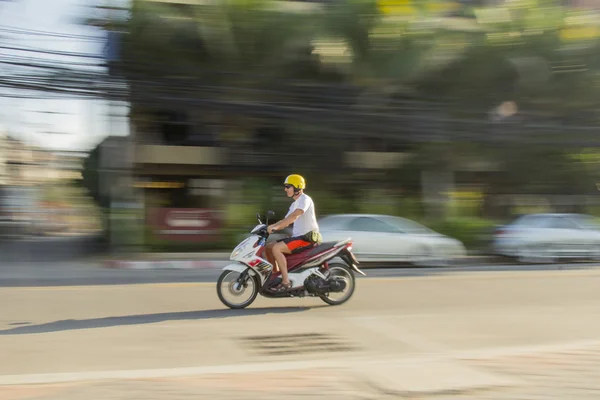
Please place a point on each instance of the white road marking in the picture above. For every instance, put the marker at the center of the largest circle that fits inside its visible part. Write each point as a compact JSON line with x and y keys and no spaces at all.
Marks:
{"x":339,"y":363}
{"x":170,"y":372}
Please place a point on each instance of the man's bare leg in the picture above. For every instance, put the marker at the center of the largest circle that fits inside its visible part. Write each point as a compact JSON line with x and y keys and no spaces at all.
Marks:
{"x":271,"y":257}
{"x":279,"y":252}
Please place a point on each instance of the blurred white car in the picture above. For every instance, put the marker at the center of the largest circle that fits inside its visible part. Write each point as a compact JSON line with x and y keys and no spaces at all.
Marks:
{"x":549,"y":238}
{"x":384,"y":238}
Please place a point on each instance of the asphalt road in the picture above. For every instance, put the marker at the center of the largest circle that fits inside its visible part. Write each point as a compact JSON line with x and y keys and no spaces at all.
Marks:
{"x":76,"y":273}
{"x":464,"y":335}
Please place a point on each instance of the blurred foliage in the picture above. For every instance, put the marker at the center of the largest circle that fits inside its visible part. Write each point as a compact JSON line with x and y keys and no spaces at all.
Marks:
{"x":535,"y":51}
{"x":539,"y":56}
{"x":91,"y":178}
{"x":513,"y":85}
{"x":475,"y":233}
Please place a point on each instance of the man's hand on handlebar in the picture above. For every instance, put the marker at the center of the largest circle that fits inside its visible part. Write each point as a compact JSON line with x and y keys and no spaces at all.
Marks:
{"x":271,"y":229}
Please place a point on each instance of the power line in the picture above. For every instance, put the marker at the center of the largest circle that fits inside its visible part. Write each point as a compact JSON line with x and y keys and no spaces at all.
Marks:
{"x":35,"y":63}
{"x":31,"y":32}
{"x":52,"y":52}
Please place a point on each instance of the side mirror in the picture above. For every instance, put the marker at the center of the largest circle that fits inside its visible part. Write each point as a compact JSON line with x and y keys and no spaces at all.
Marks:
{"x":270,"y":215}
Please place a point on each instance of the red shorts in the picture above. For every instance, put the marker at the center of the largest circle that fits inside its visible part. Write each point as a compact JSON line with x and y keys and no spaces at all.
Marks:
{"x":296,"y":244}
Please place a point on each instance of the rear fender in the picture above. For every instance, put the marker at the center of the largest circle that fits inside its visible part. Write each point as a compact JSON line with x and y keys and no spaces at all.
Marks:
{"x":341,"y":250}
{"x":321,"y":258}
{"x":349,"y":259}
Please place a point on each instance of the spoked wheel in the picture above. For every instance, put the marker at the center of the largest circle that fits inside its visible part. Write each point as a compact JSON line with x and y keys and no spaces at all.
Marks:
{"x":237,"y":290}
{"x":342,"y":272}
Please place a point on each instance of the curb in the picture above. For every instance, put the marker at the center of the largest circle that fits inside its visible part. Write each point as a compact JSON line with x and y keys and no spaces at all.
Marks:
{"x":220,"y":263}
{"x":166,"y":265}
{"x":216,"y":262}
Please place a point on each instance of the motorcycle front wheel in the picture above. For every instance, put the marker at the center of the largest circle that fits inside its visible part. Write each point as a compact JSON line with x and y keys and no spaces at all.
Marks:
{"x":237,"y":290}
{"x":340,"y":271}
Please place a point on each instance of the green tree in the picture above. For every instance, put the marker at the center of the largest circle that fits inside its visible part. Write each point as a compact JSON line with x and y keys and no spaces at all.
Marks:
{"x":91,"y":178}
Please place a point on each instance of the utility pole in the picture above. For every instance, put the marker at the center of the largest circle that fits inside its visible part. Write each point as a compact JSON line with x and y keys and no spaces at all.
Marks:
{"x":126,"y":204}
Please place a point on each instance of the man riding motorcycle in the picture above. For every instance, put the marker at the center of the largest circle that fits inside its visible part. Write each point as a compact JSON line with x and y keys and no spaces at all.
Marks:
{"x":305,"y":233}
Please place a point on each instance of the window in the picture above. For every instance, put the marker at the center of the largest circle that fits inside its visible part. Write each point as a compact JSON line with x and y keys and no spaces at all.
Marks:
{"x":405,"y":225}
{"x":562,"y":223}
{"x":334,"y":223}
{"x":174,"y":127}
{"x":370,"y":225}
{"x":534,"y":221}
{"x":586,"y":222}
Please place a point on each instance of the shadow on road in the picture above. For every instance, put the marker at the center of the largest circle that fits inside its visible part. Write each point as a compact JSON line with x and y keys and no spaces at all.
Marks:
{"x":92,"y":323}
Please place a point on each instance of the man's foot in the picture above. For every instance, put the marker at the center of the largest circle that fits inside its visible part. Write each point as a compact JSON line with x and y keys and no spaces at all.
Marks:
{"x":283,"y":287}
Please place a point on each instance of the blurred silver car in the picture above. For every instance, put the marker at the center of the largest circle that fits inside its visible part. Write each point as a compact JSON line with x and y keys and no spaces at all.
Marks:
{"x":549,"y":238}
{"x":385,"y":238}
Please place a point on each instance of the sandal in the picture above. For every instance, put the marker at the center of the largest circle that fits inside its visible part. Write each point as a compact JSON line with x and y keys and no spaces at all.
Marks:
{"x":283,"y":287}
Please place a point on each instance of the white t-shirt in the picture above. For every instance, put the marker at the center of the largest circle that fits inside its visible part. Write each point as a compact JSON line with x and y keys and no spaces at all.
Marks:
{"x":306,"y":222}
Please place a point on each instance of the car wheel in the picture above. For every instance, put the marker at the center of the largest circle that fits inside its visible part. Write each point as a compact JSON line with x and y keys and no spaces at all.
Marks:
{"x":537,"y":254}
{"x":421,"y":257}
{"x":595,"y":253}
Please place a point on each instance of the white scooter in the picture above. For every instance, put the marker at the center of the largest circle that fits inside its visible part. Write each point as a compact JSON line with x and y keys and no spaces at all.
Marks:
{"x":310,"y":271}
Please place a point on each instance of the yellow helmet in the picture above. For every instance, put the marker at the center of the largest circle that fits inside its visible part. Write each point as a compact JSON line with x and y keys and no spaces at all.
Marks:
{"x":296,"y":181}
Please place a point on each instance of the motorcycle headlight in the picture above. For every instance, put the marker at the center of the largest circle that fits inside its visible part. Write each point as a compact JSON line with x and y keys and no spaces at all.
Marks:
{"x":239,"y":248}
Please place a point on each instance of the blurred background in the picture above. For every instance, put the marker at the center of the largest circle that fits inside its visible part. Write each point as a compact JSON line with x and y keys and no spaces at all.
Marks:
{"x":166,"y":125}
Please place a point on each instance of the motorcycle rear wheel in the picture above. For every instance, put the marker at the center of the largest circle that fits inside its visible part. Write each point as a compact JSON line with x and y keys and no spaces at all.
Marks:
{"x":237,"y":291}
{"x":342,"y":270}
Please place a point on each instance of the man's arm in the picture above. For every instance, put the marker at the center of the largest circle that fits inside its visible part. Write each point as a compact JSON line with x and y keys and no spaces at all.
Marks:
{"x":287,"y":221}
